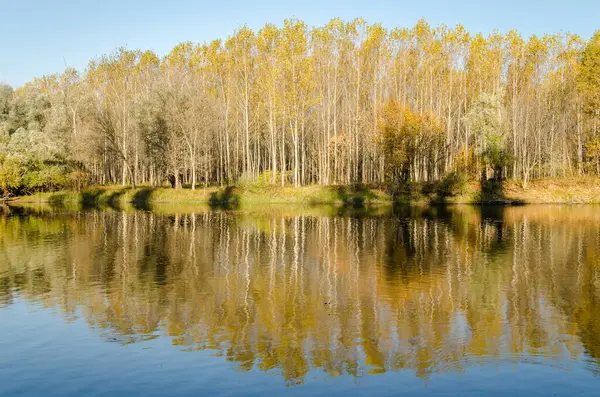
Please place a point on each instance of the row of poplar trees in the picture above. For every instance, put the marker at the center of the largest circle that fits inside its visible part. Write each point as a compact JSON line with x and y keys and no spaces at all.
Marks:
{"x":348,"y":102}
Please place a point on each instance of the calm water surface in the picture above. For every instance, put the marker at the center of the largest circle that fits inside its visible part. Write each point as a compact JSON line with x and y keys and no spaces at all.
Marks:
{"x":444,"y":301}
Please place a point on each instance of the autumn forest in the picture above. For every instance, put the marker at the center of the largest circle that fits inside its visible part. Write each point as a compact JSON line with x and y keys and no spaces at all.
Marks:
{"x":344,"y":103}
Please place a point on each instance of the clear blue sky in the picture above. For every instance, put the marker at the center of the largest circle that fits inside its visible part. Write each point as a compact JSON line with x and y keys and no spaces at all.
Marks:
{"x":39,"y":37}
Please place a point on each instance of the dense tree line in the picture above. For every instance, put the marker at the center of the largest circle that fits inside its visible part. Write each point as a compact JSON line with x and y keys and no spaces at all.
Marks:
{"x":343,"y":103}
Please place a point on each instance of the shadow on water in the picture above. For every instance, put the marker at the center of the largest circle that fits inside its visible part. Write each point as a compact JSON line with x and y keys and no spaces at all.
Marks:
{"x":226,"y":199}
{"x":438,"y":212}
{"x":405,"y":253}
{"x":411,"y":242}
{"x":142,"y":199}
{"x":356,"y":212}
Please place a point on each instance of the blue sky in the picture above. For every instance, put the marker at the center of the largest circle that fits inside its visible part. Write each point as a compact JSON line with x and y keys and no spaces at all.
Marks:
{"x":39,"y":37}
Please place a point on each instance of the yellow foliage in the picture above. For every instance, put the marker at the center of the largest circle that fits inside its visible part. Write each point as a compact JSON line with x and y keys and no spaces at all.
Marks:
{"x":405,"y":135}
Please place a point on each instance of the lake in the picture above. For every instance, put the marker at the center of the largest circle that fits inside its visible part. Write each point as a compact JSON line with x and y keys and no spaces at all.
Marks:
{"x":457,"y":300}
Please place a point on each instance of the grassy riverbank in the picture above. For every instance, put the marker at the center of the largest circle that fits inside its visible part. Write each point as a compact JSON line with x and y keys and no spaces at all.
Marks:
{"x":585,"y":190}
{"x":230,"y":197}
{"x":579,"y":190}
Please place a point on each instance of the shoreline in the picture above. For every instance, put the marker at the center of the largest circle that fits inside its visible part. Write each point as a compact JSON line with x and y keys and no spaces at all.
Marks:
{"x":554,"y":191}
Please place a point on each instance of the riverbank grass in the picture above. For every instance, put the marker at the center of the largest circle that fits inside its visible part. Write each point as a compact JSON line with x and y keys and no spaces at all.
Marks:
{"x":558,"y":191}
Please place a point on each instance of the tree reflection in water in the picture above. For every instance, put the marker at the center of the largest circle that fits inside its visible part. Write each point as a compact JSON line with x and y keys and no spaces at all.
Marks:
{"x":429,"y":290}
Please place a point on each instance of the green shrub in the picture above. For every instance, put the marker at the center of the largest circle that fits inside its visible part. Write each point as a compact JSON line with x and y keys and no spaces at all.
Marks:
{"x":451,"y":185}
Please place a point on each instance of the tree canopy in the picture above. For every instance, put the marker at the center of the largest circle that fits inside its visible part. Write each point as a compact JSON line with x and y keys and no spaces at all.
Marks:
{"x":294,"y":104}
